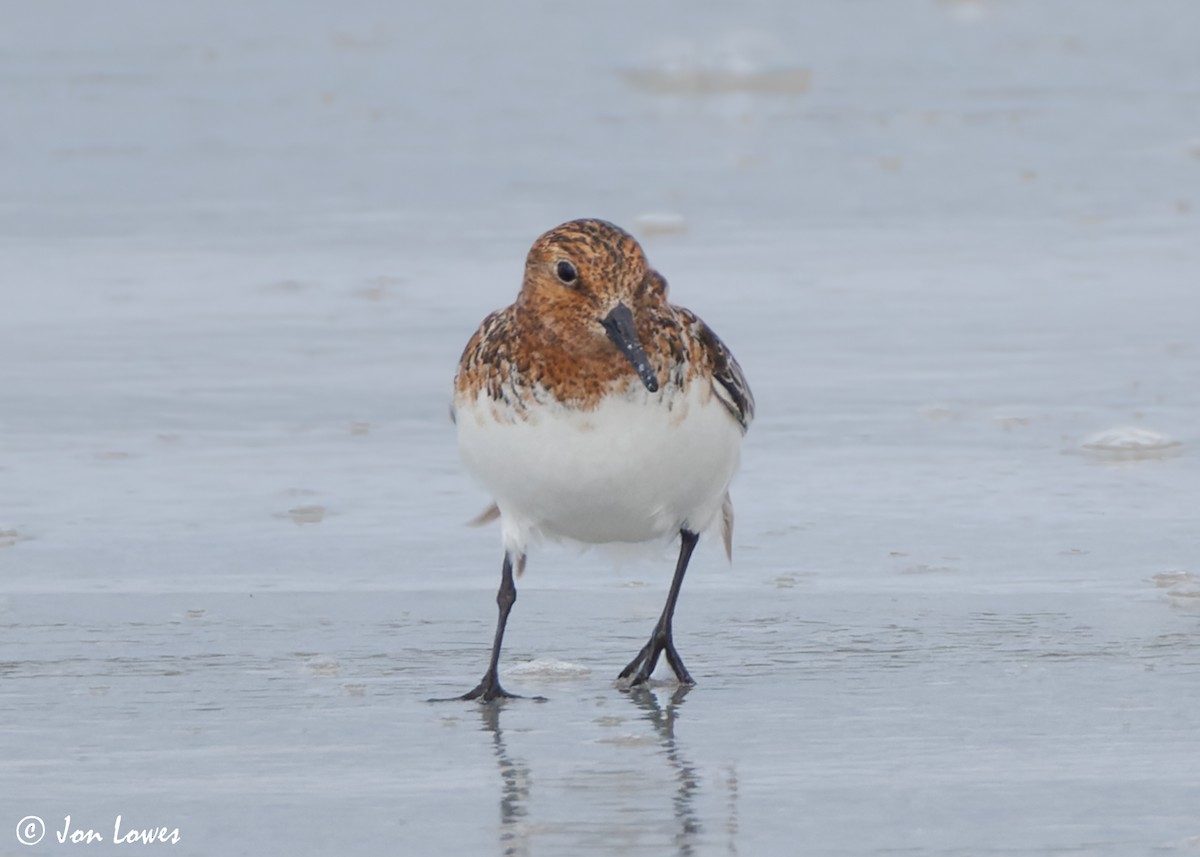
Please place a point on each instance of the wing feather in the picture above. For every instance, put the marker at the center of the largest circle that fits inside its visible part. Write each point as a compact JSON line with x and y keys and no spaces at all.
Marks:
{"x":729,"y":382}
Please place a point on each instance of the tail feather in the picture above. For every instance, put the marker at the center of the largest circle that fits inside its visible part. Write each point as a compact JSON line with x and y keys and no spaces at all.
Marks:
{"x":488,"y":515}
{"x":727,"y":525}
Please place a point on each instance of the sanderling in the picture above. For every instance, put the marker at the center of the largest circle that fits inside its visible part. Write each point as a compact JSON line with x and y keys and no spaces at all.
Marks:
{"x":595,"y":411}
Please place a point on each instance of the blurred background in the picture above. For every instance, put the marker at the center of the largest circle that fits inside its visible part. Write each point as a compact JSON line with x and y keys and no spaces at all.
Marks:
{"x":953,"y":243}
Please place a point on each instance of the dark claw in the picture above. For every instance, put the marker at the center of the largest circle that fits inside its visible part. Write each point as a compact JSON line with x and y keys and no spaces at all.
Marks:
{"x":681,"y":673}
{"x":487,"y":691}
{"x":633,"y":665}
{"x":642,"y":666}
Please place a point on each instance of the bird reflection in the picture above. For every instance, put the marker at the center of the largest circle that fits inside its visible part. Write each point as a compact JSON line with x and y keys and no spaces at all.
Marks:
{"x":514,"y":792}
{"x":687,"y":822}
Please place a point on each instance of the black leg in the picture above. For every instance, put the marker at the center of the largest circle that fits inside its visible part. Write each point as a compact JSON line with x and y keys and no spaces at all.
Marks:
{"x":489,"y":688}
{"x":641,"y":667}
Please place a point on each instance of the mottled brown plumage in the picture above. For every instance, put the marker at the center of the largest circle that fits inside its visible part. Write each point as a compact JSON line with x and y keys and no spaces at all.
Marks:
{"x":551,"y":344}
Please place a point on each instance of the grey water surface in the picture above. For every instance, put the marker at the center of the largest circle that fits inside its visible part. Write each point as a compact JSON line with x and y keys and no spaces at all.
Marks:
{"x":955,"y":246}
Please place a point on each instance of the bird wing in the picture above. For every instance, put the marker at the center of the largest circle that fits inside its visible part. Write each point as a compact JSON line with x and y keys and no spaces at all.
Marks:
{"x":729,"y":382}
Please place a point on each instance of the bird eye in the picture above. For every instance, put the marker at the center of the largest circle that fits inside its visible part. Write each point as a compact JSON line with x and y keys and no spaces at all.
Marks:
{"x":566,"y":272}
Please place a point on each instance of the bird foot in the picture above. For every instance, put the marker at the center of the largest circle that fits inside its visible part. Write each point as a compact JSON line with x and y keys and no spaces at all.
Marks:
{"x":639,"y":670}
{"x":488,"y":691}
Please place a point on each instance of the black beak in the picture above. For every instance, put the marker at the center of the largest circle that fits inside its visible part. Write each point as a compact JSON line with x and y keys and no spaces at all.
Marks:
{"x":619,"y":326}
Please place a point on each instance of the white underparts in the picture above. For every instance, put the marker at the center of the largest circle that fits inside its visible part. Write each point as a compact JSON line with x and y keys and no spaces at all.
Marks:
{"x":631,"y":470}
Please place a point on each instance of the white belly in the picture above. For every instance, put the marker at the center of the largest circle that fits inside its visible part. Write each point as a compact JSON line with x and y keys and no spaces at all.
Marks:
{"x":631,"y":470}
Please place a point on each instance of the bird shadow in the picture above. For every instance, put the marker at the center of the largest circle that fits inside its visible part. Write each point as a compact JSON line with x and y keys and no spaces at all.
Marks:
{"x":515,"y":830}
{"x":514,"y":789}
{"x":663,"y":718}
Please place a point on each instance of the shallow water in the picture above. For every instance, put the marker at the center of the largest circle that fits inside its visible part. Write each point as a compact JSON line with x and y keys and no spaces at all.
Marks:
{"x":952,"y":244}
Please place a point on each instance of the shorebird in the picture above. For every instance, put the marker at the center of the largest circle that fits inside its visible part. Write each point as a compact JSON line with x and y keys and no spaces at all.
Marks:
{"x":595,"y":411}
